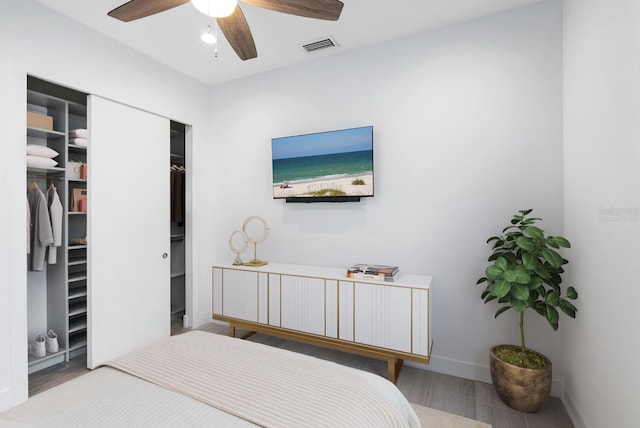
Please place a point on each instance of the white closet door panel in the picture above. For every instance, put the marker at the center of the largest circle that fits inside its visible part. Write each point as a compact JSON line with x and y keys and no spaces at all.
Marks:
{"x":129,"y":235}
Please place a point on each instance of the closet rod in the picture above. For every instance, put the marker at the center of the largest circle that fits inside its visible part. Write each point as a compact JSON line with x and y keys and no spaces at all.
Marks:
{"x":44,"y":177}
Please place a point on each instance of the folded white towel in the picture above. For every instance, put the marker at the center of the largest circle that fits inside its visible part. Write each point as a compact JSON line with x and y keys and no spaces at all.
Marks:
{"x":78,"y":133}
{"x":78,"y":141}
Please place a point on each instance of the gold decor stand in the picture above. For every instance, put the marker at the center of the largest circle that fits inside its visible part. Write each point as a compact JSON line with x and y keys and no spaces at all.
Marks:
{"x":247,"y":237}
{"x":255,"y":263}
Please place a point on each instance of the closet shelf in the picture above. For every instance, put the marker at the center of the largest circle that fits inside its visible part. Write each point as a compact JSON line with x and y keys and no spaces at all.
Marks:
{"x":176,"y":274}
{"x":77,"y":109}
{"x":78,"y":261}
{"x":77,"y":180}
{"x":43,"y":133}
{"x":77,"y":327}
{"x":34,"y":360}
{"x":77,"y":247}
{"x":77,"y":213}
{"x":75,"y":294}
{"x":175,"y":310}
{"x":45,"y":170}
{"x":76,"y":278}
{"x":77,"y":149}
{"x":78,"y":311}
{"x":78,"y":344}
{"x":179,"y":237}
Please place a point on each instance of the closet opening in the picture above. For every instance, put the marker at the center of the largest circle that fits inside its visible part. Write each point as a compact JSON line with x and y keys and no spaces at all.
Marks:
{"x":69,"y":299}
{"x":177,"y":171}
{"x":56,"y":183}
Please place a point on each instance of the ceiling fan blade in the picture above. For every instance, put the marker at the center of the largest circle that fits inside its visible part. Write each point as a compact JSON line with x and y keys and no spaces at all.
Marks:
{"x":236,"y":30}
{"x":319,"y":9}
{"x":136,"y":9}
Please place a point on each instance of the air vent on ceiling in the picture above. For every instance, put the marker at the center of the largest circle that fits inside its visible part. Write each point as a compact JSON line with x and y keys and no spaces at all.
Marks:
{"x":322,"y":44}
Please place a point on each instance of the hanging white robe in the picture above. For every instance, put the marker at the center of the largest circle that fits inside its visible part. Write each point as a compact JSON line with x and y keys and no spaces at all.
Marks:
{"x":28,"y":227}
{"x":55,"y":214}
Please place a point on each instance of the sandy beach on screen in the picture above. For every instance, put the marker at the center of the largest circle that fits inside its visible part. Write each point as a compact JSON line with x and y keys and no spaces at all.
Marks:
{"x":343,"y":184}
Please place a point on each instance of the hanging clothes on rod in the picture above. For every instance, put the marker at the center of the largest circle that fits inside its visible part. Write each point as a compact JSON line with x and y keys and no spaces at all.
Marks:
{"x":28,"y":227}
{"x":177,"y":193}
{"x":41,"y":234}
{"x":55,"y":214}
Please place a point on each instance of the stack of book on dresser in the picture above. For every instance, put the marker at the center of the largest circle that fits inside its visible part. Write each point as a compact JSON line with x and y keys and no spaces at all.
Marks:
{"x":377,"y":272}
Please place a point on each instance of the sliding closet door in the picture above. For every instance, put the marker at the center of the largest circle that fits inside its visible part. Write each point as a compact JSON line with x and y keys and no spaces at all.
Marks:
{"x":129,"y":239}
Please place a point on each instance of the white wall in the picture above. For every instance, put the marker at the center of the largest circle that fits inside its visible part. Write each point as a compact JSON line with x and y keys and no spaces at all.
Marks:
{"x":35,"y":40}
{"x":468,"y":129}
{"x":602,"y":208}
{"x":13,"y":272}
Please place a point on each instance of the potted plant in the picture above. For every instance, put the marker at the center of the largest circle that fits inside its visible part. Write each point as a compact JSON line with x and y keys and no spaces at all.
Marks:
{"x":525,"y":272}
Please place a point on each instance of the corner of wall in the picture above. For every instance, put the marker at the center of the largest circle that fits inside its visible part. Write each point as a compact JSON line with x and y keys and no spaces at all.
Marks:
{"x":572,"y":411}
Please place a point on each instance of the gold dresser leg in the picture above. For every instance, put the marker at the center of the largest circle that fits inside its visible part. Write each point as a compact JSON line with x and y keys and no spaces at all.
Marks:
{"x":393,"y":368}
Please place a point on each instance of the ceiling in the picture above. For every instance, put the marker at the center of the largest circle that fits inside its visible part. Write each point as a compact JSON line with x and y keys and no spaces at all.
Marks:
{"x":173,"y":37}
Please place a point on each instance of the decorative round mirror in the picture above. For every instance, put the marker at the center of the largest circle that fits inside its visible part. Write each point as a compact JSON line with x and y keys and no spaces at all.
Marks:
{"x":256,"y":230}
{"x":238,"y":243}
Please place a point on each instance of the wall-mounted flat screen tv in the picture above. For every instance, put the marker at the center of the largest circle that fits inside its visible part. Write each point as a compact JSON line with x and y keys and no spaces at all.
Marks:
{"x":331,"y":166}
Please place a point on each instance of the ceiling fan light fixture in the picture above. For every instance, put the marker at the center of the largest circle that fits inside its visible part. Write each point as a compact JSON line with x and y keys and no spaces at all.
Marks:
{"x":215,"y":8}
{"x":209,"y":36}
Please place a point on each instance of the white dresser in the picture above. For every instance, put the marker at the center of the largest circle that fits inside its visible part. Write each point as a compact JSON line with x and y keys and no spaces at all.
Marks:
{"x":386,"y":320}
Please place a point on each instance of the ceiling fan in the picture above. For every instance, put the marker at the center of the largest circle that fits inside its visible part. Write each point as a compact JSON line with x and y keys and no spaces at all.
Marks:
{"x":233,"y":25}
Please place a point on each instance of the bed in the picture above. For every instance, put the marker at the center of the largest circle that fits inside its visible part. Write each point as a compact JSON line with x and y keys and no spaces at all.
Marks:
{"x":205,"y":379}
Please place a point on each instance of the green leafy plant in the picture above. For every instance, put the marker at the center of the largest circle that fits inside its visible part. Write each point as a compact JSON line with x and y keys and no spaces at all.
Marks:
{"x":526,"y":272}
{"x":358,"y":182}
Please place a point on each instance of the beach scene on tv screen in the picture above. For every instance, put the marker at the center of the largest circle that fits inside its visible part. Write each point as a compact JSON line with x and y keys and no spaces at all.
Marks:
{"x":325,"y":164}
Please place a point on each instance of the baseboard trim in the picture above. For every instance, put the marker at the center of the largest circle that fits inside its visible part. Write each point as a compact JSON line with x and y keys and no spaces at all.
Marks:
{"x":572,"y":412}
{"x":201,"y":318}
{"x":5,"y":399}
{"x":471,"y":371}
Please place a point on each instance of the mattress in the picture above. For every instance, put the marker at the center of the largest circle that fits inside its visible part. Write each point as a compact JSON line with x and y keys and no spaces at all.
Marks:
{"x":204,"y":379}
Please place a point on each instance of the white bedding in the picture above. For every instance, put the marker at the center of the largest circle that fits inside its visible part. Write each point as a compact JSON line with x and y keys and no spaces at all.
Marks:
{"x":192,"y":388}
{"x":107,"y":397}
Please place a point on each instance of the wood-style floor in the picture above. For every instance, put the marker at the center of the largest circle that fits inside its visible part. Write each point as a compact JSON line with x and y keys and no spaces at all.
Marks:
{"x":475,"y":400}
